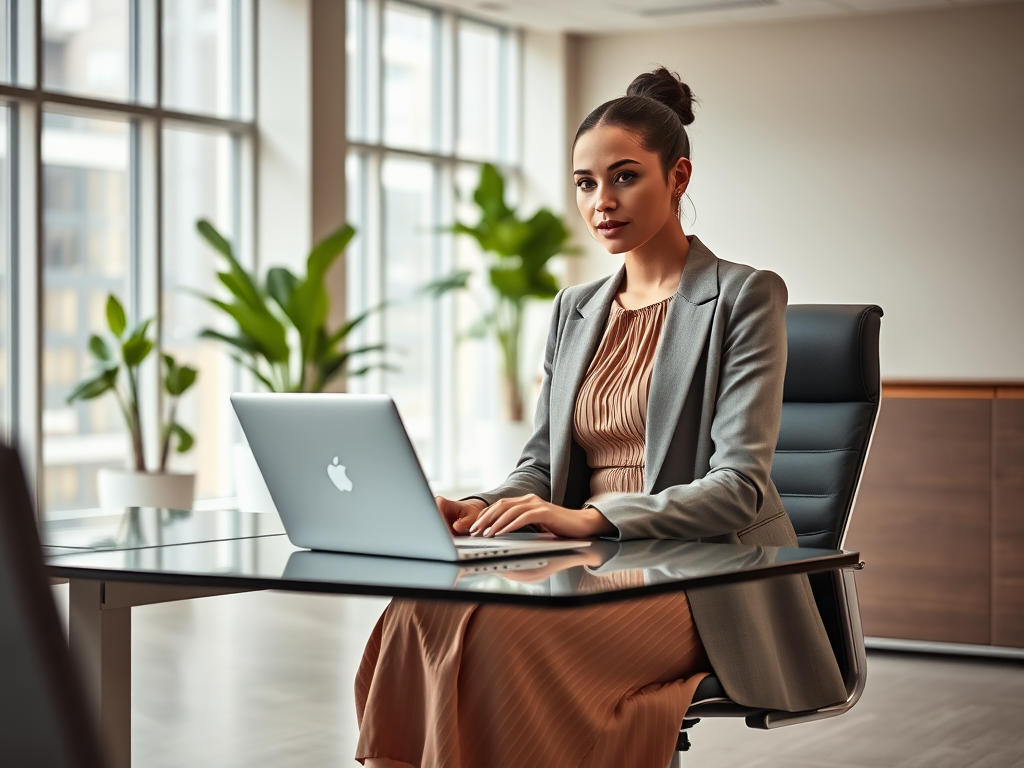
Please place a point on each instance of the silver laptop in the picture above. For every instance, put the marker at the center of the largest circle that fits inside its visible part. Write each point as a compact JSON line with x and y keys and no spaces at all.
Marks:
{"x":344,"y":477}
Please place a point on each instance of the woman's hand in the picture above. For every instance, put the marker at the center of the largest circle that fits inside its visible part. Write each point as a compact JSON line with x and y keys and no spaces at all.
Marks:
{"x":507,"y":515}
{"x":460,"y":515}
{"x":586,"y":557}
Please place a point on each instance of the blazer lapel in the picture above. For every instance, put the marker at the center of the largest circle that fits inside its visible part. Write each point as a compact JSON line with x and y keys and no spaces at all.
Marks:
{"x":679,"y":350}
{"x":580,"y":339}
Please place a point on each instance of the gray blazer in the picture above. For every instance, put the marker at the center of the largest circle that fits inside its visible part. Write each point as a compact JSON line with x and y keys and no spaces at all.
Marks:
{"x":712,"y":425}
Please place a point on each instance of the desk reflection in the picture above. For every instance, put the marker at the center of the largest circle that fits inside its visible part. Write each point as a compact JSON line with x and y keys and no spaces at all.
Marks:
{"x":606,"y":566}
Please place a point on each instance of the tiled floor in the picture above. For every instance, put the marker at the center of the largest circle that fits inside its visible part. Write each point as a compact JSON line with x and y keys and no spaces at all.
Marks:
{"x":264,"y":680}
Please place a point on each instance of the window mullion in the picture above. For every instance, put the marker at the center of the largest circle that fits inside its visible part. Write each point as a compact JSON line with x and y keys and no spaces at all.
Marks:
{"x":145,"y":260}
{"x":374,"y":65}
{"x":374,"y":265}
{"x":26,"y":289}
{"x":446,"y":61}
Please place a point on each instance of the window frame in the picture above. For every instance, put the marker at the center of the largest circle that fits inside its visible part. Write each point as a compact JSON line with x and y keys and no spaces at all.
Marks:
{"x":367,"y":146}
{"x":25,"y":93}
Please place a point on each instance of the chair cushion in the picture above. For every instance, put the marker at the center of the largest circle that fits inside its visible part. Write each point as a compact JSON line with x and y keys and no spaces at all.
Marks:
{"x":817,"y":462}
{"x":833,"y":353}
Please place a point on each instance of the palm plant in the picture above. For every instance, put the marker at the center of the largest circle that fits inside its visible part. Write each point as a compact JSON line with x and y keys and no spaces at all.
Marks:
{"x":518,"y":254}
{"x":118,"y":372}
{"x":281,"y":333}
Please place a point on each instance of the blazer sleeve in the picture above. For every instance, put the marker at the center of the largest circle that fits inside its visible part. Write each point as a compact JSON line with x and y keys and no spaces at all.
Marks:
{"x":744,"y":430}
{"x":533,"y":473}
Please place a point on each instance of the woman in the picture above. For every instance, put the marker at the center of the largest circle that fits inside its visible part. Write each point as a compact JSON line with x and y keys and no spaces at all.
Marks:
{"x":658,"y":418}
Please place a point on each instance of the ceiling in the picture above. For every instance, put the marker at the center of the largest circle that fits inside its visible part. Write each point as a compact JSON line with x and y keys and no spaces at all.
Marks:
{"x":610,"y":16}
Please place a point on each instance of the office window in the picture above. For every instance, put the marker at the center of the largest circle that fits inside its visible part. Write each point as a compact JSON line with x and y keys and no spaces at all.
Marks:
{"x":431,"y":94}
{"x":200,"y":181}
{"x":5,"y":45}
{"x":85,"y":47}
{"x":124,"y":173}
{"x":205,"y":43}
{"x":409,"y":79}
{"x":85,"y":257}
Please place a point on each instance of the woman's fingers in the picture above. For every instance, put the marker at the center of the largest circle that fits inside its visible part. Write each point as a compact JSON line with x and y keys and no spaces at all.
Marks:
{"x":497,"y":509}
{"x":514,"y":517}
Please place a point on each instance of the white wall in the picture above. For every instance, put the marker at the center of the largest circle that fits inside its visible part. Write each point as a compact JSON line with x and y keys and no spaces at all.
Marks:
{"x":544,"y":151}
{"x":874,"y":159}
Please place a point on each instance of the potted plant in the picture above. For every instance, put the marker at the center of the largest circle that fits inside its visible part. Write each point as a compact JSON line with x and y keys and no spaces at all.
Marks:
{"x":118,"y":373}
{"x":281,"y":334}
{"x":518,"y":252}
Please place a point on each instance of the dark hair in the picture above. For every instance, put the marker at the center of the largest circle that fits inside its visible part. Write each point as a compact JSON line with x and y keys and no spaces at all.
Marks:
{"x":656,"y":107}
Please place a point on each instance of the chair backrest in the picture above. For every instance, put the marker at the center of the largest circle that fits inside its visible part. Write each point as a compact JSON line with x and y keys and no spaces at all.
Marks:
{"x":829,"y":407}
{"x":44,"y":719}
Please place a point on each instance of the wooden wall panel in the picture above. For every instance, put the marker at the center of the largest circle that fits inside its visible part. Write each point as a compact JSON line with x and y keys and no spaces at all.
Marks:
{"x":923,"y":524}
{"x":1008,"y":522}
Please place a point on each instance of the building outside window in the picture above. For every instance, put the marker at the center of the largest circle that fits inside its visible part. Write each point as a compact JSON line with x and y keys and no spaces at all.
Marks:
{"x":431,"y":95}
{"x":132,"y":150}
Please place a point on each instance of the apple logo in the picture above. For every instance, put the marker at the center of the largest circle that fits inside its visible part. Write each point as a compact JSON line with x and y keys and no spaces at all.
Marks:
{"x":337,"y":474}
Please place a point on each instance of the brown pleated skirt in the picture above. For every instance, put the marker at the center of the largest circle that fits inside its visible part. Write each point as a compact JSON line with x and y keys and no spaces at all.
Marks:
{"x":457,"y":685}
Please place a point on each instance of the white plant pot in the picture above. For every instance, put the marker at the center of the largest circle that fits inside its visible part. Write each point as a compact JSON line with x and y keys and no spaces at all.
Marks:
{"x":501,"y":444}
{"x":250,"y":487}
{"x":127,"y":488}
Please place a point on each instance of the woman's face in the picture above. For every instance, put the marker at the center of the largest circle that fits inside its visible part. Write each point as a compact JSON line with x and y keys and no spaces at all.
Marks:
{"x":621,"y":189}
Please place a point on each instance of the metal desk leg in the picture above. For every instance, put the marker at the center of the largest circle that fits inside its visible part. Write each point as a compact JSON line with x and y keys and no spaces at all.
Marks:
{"x":101,"y":643}
{"x":100,"y":634}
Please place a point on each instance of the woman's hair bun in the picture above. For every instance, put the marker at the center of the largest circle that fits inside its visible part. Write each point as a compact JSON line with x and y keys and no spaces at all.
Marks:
{"x":666,"y":87}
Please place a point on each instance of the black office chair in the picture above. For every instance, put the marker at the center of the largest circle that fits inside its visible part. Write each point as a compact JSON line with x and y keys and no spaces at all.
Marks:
{"x":829,"y":408}
{"x":44,"y":719}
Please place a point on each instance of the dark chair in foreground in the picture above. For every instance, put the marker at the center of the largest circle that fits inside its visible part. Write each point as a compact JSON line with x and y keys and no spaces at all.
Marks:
{"x":44,"y":719}
{"x":830,"y":404}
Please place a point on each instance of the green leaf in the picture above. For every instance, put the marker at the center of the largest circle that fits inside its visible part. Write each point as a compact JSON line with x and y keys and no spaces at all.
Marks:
{"x":546,"y":237}
{"x":242,"y":288}
{"x":333,"y":365}
{"x":214,"y":238}
{"x":375,"y":367}
{"x":309,"y":303}
{"x":243,"y":342}
{"x":94,"y":387}
{"x":187,"y":376}
{"x":543,"y":285}
{"x":457,"y":280}
{"x":249,"y":366}
{"x":262,"y":327}
{"x":510,"y":283}
{"x":490,"y":193}
{"x":100,"y":350}
{"x":242,"y":285}
{"x":351,"y":325}
{"x":178,"y":378}
{"x":135,"y":351}
{"x":185,"y":438}
{"x":326,"y":251}
{"x":141,"y":330}
{"x":116,"y":319}
{"x":281,"y":285}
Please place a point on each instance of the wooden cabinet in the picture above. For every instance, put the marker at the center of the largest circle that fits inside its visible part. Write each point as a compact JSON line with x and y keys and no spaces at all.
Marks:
{"x":940,"y":516}
{"x":1008,"y":522}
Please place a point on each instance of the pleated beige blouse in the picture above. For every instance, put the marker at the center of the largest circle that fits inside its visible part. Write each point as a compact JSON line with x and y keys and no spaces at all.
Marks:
{"x":472,"y":686}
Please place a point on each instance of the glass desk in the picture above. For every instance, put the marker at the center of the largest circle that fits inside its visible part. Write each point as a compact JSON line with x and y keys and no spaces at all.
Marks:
{"x":115,"y":560}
